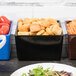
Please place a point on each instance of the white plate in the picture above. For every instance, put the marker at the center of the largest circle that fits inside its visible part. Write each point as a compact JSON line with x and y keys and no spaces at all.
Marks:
{"x":57,"y":67}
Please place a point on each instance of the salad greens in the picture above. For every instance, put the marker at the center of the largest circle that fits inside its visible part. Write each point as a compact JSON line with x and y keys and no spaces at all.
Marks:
{"x":24,"y":74}
{"x":39,"y":71}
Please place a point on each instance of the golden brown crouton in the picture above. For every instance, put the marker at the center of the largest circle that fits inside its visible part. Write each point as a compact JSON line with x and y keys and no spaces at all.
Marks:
{"x":57,"y":30}
{"x":23,"y":28}
{"x":31,"y":33}
{"x":49,"y":31}
{"x":45,"y":23}
{"x":20,"y":20}
{"x":40,"y":32}
{"x":26,"y":21}
{"x":23,"y":33}
{"x":52,"y":21}
{"x":45,"y":33}
{"x":42,"y":28}
{"x":34,"y":28}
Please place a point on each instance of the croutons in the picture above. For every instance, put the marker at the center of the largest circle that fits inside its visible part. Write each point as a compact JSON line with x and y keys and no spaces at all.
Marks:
{"x":40,"y":32}
{"x":35,"y":26}
{"x":57,"y":30}
{"x":23,"y":33}
{"x":49,"y":31}
{"x":45,"y":33}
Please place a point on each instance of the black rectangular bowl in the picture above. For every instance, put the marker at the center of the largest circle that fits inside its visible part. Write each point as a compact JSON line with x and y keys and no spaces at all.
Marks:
{"x":39,"y":47}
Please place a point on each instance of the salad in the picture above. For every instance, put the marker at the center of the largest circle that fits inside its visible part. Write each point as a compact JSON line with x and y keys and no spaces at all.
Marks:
{"x":39,"y":71}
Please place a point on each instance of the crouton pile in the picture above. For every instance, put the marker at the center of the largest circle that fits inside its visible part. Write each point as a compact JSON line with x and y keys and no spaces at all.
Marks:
{"x":35,"y":26}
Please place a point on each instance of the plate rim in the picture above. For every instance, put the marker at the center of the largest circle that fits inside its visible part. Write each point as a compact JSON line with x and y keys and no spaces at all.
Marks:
{"x":43,"y":63}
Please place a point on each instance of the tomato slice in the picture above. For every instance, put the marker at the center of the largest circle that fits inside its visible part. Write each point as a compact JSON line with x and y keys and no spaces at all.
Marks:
{"x":4,"y":24}
{"x":3,"y":19}
{"x":4,"y":29}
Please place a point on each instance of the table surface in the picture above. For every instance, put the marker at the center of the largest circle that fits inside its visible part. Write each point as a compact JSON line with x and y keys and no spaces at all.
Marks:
{"x":8,"y":67}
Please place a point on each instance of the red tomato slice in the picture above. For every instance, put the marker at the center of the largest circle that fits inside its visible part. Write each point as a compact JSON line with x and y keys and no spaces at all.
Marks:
{"x":4,"y":30}
{"x":4,"y":24}
{"x":3,"y":19}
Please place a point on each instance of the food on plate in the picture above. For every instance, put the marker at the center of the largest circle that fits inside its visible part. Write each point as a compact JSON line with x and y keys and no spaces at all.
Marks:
{"x":4,"y":25}
{"x":71,"y":27}
{"x":39,"y":71}
{"x":35,"y":26}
